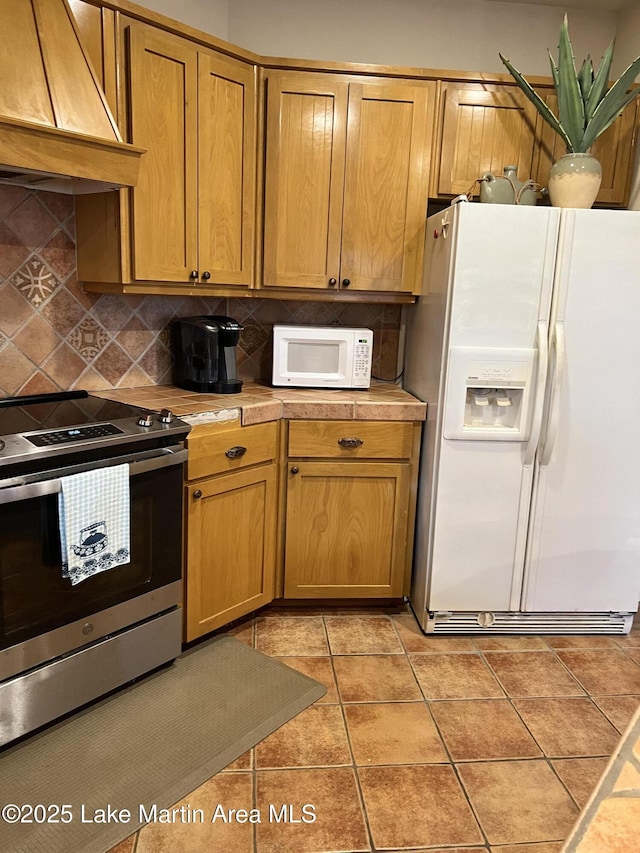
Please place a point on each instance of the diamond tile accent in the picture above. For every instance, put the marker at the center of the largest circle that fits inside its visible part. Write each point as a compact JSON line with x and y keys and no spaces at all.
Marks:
{"x":88,"y":338}
{"x":254,"y":337}
{"x":64,"y":366}
{"x":113,"y":362}
{"x":63,"y":312}
{"x":35,"y":281}
{"x":157,"y":312}
{"x":10,"y":198}
{"x":15,"y":369}
{"x":112,"y":312}
{"x":156,"y":362}
{"x":60,"y":254}
{"x":60,"y":204}
{"x":32,"y":222}
{"x":15,"y":310}
{"x":38,"y":262}
{"x":134,"y":377}
{"x":37,"y":339}
{"x":13,"y":253}
{"x":39,"y":383}
{"x":135,"y":337}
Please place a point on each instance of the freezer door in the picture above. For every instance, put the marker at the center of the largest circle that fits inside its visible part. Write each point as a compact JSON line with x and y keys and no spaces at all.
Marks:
{"x":499,"y":295}
{"x":583,"y":552}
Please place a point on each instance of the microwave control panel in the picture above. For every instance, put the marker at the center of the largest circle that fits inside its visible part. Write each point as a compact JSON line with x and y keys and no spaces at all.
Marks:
{"x":362,"y":352}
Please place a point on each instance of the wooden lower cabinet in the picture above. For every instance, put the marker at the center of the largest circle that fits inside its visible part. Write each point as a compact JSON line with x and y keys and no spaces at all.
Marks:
{"x":231,"y":546}
{"x":350,"y":508}
{"x":335,"y":517}
{"x":347,"y":527}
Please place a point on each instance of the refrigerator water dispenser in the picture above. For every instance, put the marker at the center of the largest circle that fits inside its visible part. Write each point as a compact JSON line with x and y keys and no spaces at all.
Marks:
{"x":488,"y":394}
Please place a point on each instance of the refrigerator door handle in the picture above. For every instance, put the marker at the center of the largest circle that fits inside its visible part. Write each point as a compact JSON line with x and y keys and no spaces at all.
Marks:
{"x":554,"y":407}
{"x":541,"y":381}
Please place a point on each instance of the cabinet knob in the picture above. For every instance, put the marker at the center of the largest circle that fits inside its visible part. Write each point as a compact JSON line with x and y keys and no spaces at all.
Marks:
{"x":235,"y":452}
{"x":193,"y":274}
{"x":333,"y":282}
{"x":346,"y":282}
{"x":350,"y":442}
{"x":206,"y":275}
{"x":197,"y":495}
{"x":295,"y":469}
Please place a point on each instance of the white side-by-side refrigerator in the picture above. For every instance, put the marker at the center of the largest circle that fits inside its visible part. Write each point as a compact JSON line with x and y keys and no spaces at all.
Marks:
{"x":526,"y":347}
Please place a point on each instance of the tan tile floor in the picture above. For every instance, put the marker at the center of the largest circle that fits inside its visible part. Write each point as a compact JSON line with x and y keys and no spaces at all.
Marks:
{"x":471,"y":745}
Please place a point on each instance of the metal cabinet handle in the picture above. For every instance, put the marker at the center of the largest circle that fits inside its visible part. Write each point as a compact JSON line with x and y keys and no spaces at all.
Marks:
{"x":295,"y":469}
{"x":333,"y":282}
{"x":350,"y":442}
{"x":197,"y":495}
{"x":206,"y":275}
{"x":235,"y":452}
{"x":346,"y":282}
{"x":193,"y":274}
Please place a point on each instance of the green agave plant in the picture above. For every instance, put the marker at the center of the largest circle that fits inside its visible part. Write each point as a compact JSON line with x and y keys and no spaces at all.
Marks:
{"x":586,"y":106}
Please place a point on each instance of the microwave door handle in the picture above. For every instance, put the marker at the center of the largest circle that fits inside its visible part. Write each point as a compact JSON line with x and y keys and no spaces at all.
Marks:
{"x":43,"y":488}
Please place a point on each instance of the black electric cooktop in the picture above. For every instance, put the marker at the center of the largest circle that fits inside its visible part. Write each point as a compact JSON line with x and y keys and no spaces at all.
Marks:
{"x":41,"y":426}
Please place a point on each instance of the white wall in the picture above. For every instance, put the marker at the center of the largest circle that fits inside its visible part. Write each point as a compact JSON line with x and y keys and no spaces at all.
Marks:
{"x":627,"y":39}
{"x":458,"y":35}
{"x":626,"y":50}
{"x":450,"y":34}
{"x":211,"y":16}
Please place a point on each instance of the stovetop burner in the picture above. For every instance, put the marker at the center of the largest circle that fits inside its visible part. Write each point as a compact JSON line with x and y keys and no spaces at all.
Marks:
{"x":20,"y":415}
{"x":42,"y":426}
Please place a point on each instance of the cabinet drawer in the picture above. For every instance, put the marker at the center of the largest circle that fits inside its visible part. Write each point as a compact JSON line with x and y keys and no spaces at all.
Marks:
{"x":351,"y":439}
{"x":230,"y":449}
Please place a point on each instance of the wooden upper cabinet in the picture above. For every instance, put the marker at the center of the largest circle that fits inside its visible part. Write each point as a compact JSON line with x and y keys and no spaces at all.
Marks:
{"x":194,"y":206}
{"x":226,"y":169}
{"x":346,"y":182}
{"x":304,"y":176}
{"x":191,"y":218}
{"x":162,"y":104}
{"x":613,"y":149}
{"x":484,"y":129}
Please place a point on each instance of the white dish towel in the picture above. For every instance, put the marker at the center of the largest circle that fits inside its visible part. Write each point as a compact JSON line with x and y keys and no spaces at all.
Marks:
{"x":94,"y":514}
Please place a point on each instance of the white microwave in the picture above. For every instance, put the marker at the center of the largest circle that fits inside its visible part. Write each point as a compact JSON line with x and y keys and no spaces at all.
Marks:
{"x":322,"y":357}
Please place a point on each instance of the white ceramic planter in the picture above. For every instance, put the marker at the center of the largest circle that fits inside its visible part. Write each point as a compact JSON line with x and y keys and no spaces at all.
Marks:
{"x":574,"y":181}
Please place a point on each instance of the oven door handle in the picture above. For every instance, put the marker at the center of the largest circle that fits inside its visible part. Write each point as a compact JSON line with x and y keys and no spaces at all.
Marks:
{"x":42,"y":488}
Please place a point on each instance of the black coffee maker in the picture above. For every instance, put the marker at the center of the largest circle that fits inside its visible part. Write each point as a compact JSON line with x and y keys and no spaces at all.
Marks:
{"x":205,"y":354}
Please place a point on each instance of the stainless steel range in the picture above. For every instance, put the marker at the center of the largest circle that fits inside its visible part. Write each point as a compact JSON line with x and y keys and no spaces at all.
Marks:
{"x":62,"y":645}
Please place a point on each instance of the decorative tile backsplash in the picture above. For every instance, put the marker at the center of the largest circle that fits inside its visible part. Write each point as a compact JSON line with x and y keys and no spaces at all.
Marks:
{"x":55,"y":336}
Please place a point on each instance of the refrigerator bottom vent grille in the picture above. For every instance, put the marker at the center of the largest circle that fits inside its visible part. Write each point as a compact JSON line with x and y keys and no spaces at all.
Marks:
{"x":529,"y":623}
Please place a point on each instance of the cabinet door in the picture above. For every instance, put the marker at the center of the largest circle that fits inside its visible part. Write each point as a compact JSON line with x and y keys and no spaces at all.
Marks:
{"x":346,"y":534}
{"x":485,"y":128}
{"x":386,"y":185}
{"x":163,"y":91}
{"x":304,"y":174}
{"x":226,"y":169}
{"x":231,"y":539}
{"x":613,"y":149}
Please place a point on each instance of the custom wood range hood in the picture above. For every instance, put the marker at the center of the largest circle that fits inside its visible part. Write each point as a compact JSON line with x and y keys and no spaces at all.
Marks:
{"x":56,"y":130}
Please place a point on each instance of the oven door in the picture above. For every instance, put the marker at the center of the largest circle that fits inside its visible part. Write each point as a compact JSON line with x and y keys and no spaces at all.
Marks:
{"x":42,"y":616}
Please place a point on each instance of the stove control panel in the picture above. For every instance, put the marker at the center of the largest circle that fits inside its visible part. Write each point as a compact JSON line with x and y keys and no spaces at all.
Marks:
{"x":65,"y":436}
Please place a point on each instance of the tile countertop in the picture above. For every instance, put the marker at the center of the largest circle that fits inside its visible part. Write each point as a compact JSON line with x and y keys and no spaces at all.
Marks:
{"x":260,"y":403}
{"x":610,"y":821}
